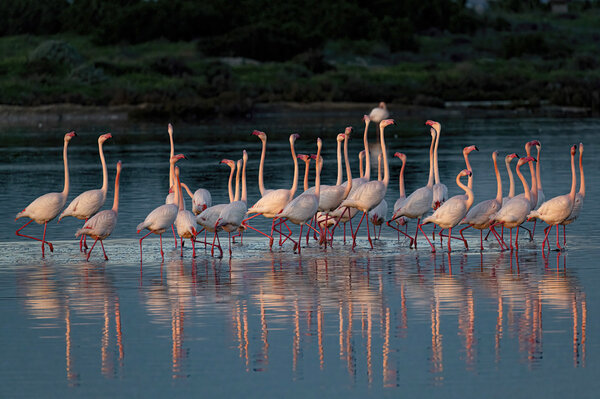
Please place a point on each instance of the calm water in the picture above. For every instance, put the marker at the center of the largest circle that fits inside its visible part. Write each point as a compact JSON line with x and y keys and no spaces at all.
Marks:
{"x":384,"y":322}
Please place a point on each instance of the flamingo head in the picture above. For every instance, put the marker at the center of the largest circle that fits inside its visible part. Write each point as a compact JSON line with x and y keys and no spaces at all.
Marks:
{"x":228,"y":162}
{"x":435,"y":125}
{"x":245,"y":156}
{"x":494,"y":155}
{"x":401,"y":155}
{"x":341,"y":137}
{"x":304,"y":157}
{"x":525,"y":160}
{"x":319,"y":143}
{"x":261,"y":135}
{"x":366,"y":119}
{"x":469,"y":149}
{"x":535,"y":143}
{"x":466,"y":172}
{"x":386,"y":122}
{"x":294,"y":137}
{"x":580,"y":148}
{"x":170,"y":129}
{"x":361,"y":154}
{"x":170,"y":190}
{"x":69,"y":136}
{"x":348,"y":130}
{"x":382,"y":105}
{"x":177,"y":157}
{"x":510,"y":157}
{"x":313,"y":156}
{"x":104,"y":137}
{"x":573,"y":149}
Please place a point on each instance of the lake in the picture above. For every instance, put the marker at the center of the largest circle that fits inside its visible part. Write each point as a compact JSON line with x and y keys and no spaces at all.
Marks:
{"x":388,"y":321}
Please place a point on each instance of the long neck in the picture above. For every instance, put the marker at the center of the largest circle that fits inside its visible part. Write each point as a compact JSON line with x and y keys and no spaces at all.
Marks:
{"x":525,"y":186}
{"x":537,"y":170}
{"x":498,"y":182}
{"x":379,"y":168}
{"x":65,"y":192}
{"x":468,"y":192}
{"x":573,"y":178}
{"x":435,"y":158}
{"x":533,"y":190}
{"x":115,"y":207}
{"x":295,"y":184}
{"x":339,"y":164}
{"x":187,"y":189}
{"x":261,"y":183}
{"x":401,"y":180}
{"x":511,"y":180}
{"x":367,"y":174}
{"x":348,"y":169}
{"x":171,"y":166}
{"x":229,"y":185}
{"x":306,"y":175}
{"x":180,"y":193}
{"x":582,"y":182}
{"x":318,"y":174}
{"x":244,"y":192}
{"x":237,"y":183}
{"x":430,"y":181}
{"x":467,"y":163}
{"x":386,"y":167}
{"x":104,"y":170}
{"x":177,"y":196}
{"x":361,"y":171}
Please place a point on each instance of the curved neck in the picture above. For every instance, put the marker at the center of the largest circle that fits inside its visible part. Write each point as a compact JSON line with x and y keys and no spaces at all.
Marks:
{"x":172,"y":166}
{"x":511,"y":180}
{"x":498,"y":182}
{"x":582,"y":182}
{"x":430,"y":181}
{"x":361,"y":171}
{"x":187,"y":189}
{"x":468,"y":191}
{"x":244,"y":192}
{"x":339,"y":164}
{"x":237,"y":182}
{"x":573,"y":178}
{"x":306,"y":174}
{"x":104,"y":170}
{"x":435,"y":158}
{"x":348,"y":169}
{"x":537,"y":170}
{"x":229,"y":185}
{"x":295,"y":184}
{"x":115,"y":207}
{"x":386,"y":168}
{"x":525,"y":186}
{"x":261,"y":182}
{"x":467,"y":163}
{"x":65,"y":192}
{"x":401,"y":180}
{"x":367,"y":174}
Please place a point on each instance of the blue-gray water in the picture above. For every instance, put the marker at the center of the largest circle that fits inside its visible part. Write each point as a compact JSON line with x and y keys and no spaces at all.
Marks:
{"x":390,"y":321}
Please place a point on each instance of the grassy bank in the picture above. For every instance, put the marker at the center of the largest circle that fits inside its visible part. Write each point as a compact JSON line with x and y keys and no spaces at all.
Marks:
{"x":530,"y":59}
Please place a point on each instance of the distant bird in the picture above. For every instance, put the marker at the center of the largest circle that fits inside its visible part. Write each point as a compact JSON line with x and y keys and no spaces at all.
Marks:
{"x":579,"y":197}
{"x":102,"y":224}
{"x":45,"y":208}
{"x":557,"y":209}
{"x":86,"y":204}
{"x":185,"y":222}
{"x":159,"y":220}
{"x":451,"y":212}
{"x":379,"y":113}
{"x":440,"y":191}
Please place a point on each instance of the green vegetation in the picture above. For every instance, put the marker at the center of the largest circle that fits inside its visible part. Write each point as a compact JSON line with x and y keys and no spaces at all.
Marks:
{"x":195,"y":60}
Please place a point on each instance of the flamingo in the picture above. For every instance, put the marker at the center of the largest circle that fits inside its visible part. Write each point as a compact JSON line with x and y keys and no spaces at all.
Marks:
{"x":170,"y":199}
{"x":89,"y":202}
{"x":401,"y":221}
{"x":478,"y":216}
{"x":379,"y":113}
{"x":185,"y":222}
{"x":46,"y":207}
{"x":273,"y":201}
{"x":102,"y":224}
{"x":201,"y":200}
{"x":379,"y":213}
{"x":419,"y":202}
{"x":451,"y":212}
{"x":557,"y":209}
{"x":302,"y":208}
{"x":534,"y":186}
{"x":514,"y":212}
{"x":159,"y":220}
{"x":208,"y":218}
{"x":440,"y":191}
{"x":511,"y":188}
{"x":261,"y":185}
{"x":231,"y":216}
{"x":579,"y":197}
{"x":370,"y":194}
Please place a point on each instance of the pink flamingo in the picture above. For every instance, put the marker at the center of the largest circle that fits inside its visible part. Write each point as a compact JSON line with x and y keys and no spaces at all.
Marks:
{"x":579,"y":197}
{"x":557,"y":209}
{"x":511,"y":188}
{"x":451,"y":212}
{"x":102,"y":224}
{"x":159,"y":220}
{"x":440,"y":191}
{"x":306,"y":159}
{"x":201,"y":200}
{"x":379,"y":213}
{"x":46,"y":207}
{"x":89,"y":202}
{"x":185,"y":222}
{"x":170,"y":199}
{"x":401,"y":221}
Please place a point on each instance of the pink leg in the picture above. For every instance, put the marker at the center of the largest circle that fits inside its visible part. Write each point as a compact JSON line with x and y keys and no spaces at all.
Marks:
{"x":91,"y":249}
{"x":487,"y":235}
{"x":564,"y":234}
{"x":356,"y":231}
{"x":193,"y":247}
{"x":103,"y":251}
{"x":85,"y":237}
{"x":33,"y":238}
{"x":229,"y":234}
{"x":546,"y":231}
{"x":141,"y":239}
{"x":44,"y":237}
{"x":181,"y":245}
{"x":300,"y":239}
{"x":517,"y":239}
{"x":533,"y":230}
{"x":174,"y":236}
{"x":463,"y":237}
{"x":450,"y":240}
{"x":419,"y":226}
{"x":161,"y":250}
{"x":369,"y":233}
{"x":558,"y":247}
{"x":481,"y":239}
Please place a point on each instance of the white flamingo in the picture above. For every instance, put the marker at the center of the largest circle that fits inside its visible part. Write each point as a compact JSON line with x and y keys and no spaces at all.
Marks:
{"x":46,"y":207}
{"x":370,"y":194}
{"x":274,"y":201}
{"x":379,"y":113}
{"x":302,"y":208}
{"x":419,"y":202}
{"x":440,"y":191}
{"x":451,"y":212}
{"x":102,"y":224}
{"x":231,"y":216}
{"x":89,"y":202}
{"x":514,"y":212}
{"x":185,"y":222}
{"x":159,"y":220}
{"x":379,"y":213}
{"x":533,"y":192}
{"x":201,"y":200}
{"x":557,"y":209}
{"x":479,"y":215}
{"x":579,"y":197}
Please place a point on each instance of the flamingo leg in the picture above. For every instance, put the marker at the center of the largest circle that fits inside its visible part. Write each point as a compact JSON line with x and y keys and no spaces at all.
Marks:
{"x":517,"y":239}
{"x":103,"y":251}
{"x":450,"y":240}
{"x":463,"y":237}
{"x":33,"y":238}
{"x":533,"y":230}
{"x":481,"y":239}
{"x":174,"y":236}
{"x":356,"y":231}
{"x":530,"y":235}
{"x":89,"y":253}
{"x":181,"y":245}
{"x":564,"y":234}
{"x":487,"y":235}
{"x":547,"y":231}
{"x":558,"y":247}
{"x":161,"y":248}
{"x":419,"y":226}
{"x":369,"y":233}
{"x":417,"y":232}
{"x":141,"y":239}
{"x":85,"y":236}
{"x":229,"y":235}
{"x":193,"y":247}
{"x":299,"y":240}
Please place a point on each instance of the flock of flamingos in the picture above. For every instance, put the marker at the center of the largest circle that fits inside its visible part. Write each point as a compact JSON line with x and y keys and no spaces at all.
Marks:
{"x":322,"y":208}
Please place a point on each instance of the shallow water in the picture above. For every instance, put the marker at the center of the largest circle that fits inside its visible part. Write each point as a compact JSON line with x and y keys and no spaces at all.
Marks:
{"x":388,"y":321}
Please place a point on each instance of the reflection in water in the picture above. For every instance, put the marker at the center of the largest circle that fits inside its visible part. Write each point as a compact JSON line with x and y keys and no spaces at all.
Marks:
{"x":367,"y":311}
